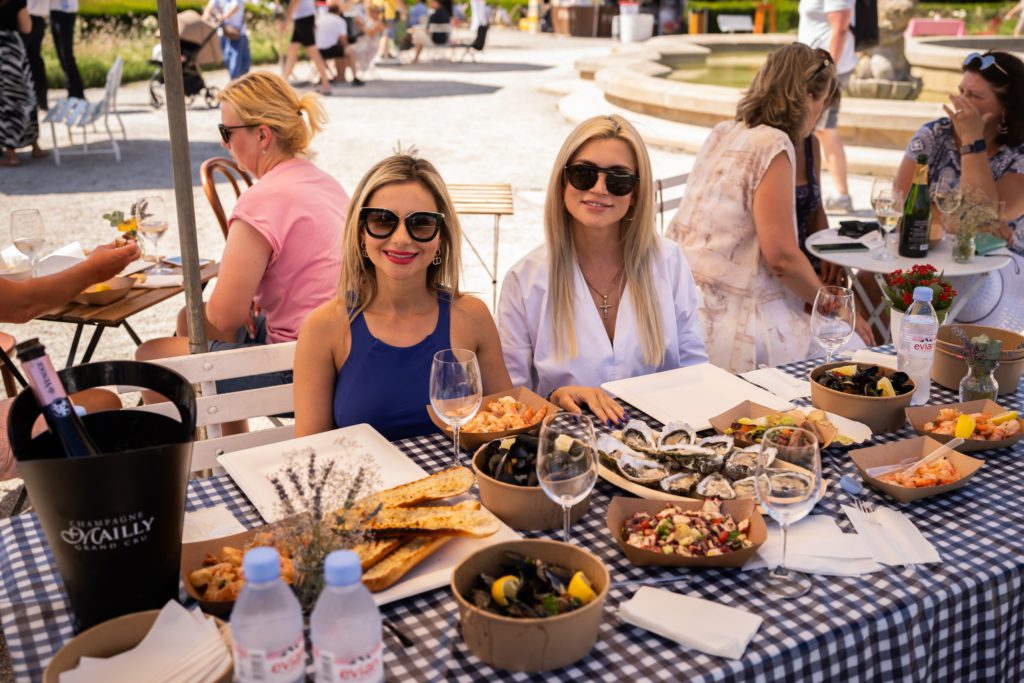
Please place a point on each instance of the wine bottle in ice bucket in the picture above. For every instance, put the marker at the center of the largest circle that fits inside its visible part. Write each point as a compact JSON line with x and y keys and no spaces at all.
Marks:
{"x":57,"y":409}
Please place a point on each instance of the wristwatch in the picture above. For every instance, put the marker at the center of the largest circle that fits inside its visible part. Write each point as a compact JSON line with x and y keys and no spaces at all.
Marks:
{"x":973,"y":148}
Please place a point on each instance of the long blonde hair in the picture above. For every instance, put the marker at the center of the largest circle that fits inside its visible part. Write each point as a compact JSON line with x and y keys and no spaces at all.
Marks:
{"x":777,"y":97}
{"x":358,"y":284}
{"x":263,"y":98}
{"x":639,"y":241}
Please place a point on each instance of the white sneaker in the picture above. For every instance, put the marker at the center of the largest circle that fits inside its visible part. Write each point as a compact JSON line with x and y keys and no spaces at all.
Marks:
{"x":839,"y":203}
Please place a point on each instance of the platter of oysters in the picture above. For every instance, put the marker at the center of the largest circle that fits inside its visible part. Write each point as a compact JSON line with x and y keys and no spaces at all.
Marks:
{"x":676,"y":463}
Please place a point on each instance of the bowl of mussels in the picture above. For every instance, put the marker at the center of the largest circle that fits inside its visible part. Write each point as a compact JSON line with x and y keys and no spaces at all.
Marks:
{"x":506,"y":473}
{"x":530,"y":605}
{"x":872,"y":394}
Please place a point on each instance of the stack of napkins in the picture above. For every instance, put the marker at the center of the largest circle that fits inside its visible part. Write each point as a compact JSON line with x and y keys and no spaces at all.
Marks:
{"x":817,"y":546}
{"x":887,"y":360}
{"x":209,"y":523}
{"x":891,"y":537}
{"x":781,"y":384}
{"x":701,"y":624}
{"x":181,"y":646}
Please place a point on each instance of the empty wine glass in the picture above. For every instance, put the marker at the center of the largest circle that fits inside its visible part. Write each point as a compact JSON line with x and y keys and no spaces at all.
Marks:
{"x":152,"y":223}
{"x":455,"y":390}
{"x":888,"y":206}
{"x":567,"y":461}
{"x":788,"y":484}
{"x":833,"y":318}
{"x":28,"y":235}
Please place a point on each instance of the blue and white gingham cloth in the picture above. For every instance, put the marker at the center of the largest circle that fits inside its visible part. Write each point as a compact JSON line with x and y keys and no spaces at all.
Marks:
{"x":960,"y":620}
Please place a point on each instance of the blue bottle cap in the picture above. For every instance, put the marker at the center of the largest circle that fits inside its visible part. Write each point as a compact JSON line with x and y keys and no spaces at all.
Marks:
{"x":261,"y":565}
{"x":342,"y":568}
{"x":923,"y":293}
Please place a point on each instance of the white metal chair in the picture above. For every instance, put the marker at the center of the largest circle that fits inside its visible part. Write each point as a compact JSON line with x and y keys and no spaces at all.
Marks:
{"x":80,"y":114}
{"x":438,"y":29}
{"x":663,"y":205}
{"x":212,"y":409}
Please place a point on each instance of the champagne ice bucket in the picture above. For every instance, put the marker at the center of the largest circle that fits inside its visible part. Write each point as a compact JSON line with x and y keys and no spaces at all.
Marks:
{"x":113,"y":521}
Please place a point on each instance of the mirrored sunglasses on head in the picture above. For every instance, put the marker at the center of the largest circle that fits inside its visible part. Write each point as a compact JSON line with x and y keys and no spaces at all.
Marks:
{"x":422,"y":226}
{"x":981,"y":62}
{"x":617,"y":181}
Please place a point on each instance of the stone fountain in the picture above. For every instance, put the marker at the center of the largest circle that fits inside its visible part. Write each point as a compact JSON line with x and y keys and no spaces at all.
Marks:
{"x":883,"y":71}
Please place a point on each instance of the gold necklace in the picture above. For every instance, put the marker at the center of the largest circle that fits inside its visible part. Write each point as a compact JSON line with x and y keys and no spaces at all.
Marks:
{"x":604,"y":305}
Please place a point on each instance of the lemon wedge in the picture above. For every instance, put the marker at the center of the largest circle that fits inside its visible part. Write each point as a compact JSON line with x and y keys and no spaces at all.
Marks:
{"x":505,"y":588}
{"x":964,"y":427}
{"x":885,"y":386}
{"x":846,"y":370}
{"x":1004,"y":417}
{"x":580,"y":588}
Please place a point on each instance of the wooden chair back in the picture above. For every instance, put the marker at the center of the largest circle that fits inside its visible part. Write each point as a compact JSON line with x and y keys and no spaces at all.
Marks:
{"x":230,"y":170}
{"x":663,"y":205}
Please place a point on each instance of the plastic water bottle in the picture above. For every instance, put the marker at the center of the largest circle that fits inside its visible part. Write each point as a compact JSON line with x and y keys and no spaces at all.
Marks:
{"x":915,"y":349}
{"x":345,"y":625}
{"x":266,"y":624}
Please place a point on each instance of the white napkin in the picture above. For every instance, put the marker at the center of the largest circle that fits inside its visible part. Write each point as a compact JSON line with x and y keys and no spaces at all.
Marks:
{"x":157,"y":281}
{"x":62,"y":259}
{"x":209,"y":523}
{"x":892,"y":538}
{"x":874,"y":358}
{"x":872,"y":240}
{"x":181,"y":646}
{"x":700,"y":624}
{"x":135,"y":267}
{"x":783,"y":385}
{"x":817,"y":546}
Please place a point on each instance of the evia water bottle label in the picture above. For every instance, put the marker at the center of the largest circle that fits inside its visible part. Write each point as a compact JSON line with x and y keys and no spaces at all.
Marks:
{"x":363,"y":669}
{"x":262,"y":666}
{"x":921,"y":344}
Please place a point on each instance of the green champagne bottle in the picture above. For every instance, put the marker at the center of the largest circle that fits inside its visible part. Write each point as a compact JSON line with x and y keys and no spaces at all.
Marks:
{"x":916,"y":225}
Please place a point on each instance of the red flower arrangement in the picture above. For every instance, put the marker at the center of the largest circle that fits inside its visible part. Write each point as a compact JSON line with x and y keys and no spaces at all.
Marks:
{"x":900,"y":285}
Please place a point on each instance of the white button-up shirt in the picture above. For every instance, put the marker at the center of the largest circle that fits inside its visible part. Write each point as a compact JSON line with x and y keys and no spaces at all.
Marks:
{"x":527,"y":337}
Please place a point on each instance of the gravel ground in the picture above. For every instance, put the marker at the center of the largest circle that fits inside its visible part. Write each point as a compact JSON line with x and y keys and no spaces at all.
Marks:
{"x":485,"y":122}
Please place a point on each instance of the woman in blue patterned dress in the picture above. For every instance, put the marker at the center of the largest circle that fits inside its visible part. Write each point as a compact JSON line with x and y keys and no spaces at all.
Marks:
{"x":980,"y":145}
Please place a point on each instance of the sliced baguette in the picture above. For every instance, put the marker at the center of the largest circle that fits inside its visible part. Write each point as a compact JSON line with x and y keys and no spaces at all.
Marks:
{"x":434,"y":521}
{"x":372,"y":552}
{"x":388,"y":571}
{"x":445,"y":484}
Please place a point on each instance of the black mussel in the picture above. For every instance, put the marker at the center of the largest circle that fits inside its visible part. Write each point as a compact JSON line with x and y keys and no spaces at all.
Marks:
{"x":900,"y":382}
{"x":482,"y":598}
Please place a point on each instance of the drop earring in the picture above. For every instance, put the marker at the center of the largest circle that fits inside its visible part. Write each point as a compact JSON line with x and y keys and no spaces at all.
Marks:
{"x":437,"y":258}
{"x":1003,"y":130}
{"x":362,"y":249}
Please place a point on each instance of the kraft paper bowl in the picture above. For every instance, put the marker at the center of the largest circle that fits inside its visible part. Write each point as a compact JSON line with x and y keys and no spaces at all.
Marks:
{"x":878,"y":412}
{"x":106,"y":292}
{"x":530,"y":645}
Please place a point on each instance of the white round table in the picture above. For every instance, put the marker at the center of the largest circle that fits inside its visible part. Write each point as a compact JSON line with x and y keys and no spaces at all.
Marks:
{"x":941,"y":256}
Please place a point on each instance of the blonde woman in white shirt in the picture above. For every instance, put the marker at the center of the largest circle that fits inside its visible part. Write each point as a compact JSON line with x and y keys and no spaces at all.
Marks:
{"x":605,"y":298}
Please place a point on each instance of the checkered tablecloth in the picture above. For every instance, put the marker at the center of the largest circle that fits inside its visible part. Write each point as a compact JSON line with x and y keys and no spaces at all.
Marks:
{"x":959,"y":620}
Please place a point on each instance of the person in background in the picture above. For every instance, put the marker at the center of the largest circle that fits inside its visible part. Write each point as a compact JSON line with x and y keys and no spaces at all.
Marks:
{"x":302,"y":15}
{"x":810,"y":211}
{"x":62,"y":26}
{"x":38,"y":10}
{"x":332,"y":41}
{"x":605,"y":297}
{"x":439,"y":16}
{"x":737,"y":225}
{"x":1016,"y":11}
{"x":283,"y":249}
{"x":19,"y":121}
{"x":391,"y":10}
{"x":826,"y":24}
{"x":478,"y":9}
{"x":234,"y":41}
{"x":366,"y":355}
{"x":21,"y":301}
{"x":365,"y":47}
{"x":418,"y":14}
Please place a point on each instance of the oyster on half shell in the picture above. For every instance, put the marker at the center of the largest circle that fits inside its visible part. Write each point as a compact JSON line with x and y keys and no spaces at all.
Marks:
{"x":680,"y":483}
{"x":716,"y":486}
{"x":639,"y":436}
{"x":641,"y":470}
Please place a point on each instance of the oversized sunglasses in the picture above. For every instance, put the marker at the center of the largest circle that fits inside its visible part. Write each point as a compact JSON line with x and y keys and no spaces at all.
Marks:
{"x":981,"y":62}
{"x":584,"y":176}
{"x":422,"y":226}
{"x":225,"y":131}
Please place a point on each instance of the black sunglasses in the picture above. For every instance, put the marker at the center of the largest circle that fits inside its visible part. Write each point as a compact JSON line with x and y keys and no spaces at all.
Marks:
{"x":225,"y":131}
{"x":422,"y":226}
{"x":584,"y":176}
{"x":980,"y":62}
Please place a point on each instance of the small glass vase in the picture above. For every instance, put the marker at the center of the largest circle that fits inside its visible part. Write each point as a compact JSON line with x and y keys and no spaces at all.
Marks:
{"x":979,"y":382}
{"x":963,"y":248}
{"x":309,"y":581}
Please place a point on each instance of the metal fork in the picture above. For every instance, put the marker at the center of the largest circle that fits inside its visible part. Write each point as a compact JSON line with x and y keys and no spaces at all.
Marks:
{"x":864,"y":506}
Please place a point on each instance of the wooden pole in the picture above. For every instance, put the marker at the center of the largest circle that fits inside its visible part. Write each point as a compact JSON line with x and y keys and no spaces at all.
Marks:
{"x":181,"y":166}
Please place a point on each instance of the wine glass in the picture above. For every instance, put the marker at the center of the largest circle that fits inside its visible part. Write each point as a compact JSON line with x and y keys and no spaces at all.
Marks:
{"x":28,"y":234}
{"x":788,"y":484}
{"x":888,"y":206}
{"x":833,"y":318}
{"x":152,"y":223}
{"x":948,"y":199}
{"x":455,"y":390}
{"x":567,"y":461}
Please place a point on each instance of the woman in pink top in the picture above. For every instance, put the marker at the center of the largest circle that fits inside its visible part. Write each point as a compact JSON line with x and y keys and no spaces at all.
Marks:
{"x":283,"y":252}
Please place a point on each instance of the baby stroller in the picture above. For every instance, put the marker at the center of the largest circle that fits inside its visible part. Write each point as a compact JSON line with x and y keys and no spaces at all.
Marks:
{"x":198,"y":49}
